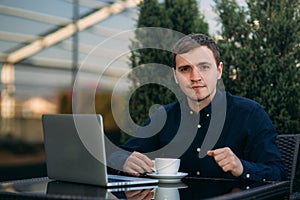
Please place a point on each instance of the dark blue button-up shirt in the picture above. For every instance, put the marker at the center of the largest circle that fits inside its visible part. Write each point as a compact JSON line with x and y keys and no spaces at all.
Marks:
{"x":229,"y":121}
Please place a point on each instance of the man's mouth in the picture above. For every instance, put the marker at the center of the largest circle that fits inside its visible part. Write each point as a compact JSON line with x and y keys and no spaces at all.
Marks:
{"x":196,"y":87}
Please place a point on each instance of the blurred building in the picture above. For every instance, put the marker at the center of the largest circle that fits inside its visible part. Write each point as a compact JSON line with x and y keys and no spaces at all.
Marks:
{"x":56,"y":52}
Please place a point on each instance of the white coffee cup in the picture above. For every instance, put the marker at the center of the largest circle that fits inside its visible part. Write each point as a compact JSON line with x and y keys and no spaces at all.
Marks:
{"x":166,"y":165}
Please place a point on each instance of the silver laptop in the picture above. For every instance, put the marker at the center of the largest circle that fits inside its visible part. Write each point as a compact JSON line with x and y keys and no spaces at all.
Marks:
{"x":75,"y":151}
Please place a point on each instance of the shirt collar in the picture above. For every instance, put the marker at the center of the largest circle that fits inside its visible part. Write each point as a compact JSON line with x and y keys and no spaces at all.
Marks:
{"x":219,"y":96}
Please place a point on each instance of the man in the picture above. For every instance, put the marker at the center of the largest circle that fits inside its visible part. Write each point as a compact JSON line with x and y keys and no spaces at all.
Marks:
{"x":245,"y":145}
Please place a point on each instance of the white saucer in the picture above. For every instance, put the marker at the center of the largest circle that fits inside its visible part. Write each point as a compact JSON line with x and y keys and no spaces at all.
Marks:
{"x":168,"y":178}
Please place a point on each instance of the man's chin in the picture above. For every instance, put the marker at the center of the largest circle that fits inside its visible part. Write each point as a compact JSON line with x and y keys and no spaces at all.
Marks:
{"x":204,"y":98}
{"x":200,"y":98}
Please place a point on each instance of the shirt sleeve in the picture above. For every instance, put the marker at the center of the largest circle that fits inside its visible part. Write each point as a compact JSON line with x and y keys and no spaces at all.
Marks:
{"x":262,"y":160}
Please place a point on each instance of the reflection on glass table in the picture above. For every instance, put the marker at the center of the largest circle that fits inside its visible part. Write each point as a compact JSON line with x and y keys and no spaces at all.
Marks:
{"x":190,"y":188}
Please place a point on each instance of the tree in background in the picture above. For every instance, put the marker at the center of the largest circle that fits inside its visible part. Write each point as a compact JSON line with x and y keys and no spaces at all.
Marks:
{"x":179,"y":15}
{"x":260,"y":49}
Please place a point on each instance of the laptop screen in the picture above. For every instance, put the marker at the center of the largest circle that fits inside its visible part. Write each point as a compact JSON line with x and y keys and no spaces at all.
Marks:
{"x":75,"y":150}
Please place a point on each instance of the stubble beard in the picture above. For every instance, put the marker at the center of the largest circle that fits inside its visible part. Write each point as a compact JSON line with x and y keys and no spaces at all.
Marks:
{"x":198,"y":101}
{"x":202,"y":99}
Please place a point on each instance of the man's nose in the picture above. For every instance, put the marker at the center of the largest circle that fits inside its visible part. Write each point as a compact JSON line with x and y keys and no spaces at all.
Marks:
{"x":196,"y":74}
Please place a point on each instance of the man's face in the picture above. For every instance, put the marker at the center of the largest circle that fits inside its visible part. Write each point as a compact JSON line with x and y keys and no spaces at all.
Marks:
{"x":197,"y":74}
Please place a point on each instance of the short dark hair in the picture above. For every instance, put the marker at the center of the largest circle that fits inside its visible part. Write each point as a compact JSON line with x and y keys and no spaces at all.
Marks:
{"x":191,"y":41}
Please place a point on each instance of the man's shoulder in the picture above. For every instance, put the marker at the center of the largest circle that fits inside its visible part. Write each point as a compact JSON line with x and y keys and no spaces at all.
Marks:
{"x":241,"y":102}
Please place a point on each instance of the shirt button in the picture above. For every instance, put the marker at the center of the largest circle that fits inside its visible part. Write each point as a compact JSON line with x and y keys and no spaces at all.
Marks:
{"x":199,"y":126}
{"x":264,"y":180}
{"x":198,"y":149}
{"x":207,"y":115}
{"x":248,"y":187}
{"x":198,"y":173}
{"x":247,"y":175}
{"x":191,"y":112}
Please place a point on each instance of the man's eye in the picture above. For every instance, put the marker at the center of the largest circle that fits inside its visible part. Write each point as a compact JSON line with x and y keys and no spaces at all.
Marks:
{"x":204,"y":67}
{"x":184,"y":69}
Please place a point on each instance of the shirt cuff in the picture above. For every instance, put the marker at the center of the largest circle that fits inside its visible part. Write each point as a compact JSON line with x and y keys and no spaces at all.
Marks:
{"x":117,"y":160}
{"x":250,"y":172}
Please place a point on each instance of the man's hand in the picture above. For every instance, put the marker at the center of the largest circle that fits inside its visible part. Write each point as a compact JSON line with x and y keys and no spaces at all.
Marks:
{"x":137,"y":164}
{"x":227,"y":160}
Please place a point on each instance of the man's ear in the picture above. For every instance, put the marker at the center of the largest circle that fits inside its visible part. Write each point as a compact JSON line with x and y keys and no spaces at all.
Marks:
{"x":220,"y":70}
{"x":174,"y":74}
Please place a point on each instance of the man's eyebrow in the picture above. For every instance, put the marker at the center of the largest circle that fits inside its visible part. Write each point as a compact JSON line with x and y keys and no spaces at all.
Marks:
{"x":203,"y":63}
{"x":199,"y":64}
{"x":185,"y":65}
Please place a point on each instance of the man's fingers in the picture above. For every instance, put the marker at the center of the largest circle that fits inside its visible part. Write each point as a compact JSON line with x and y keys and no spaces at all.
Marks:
{"x":219,"y":154}
{"x":210,"y":153}
{"x":134,"y":166}
{"x":227,"y":160}
{"x":130,"y":169}
{"x":143,"y":162}
{"x":137,"y":163}
{"x":226,"y":167}
{"x":144,"y":158}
